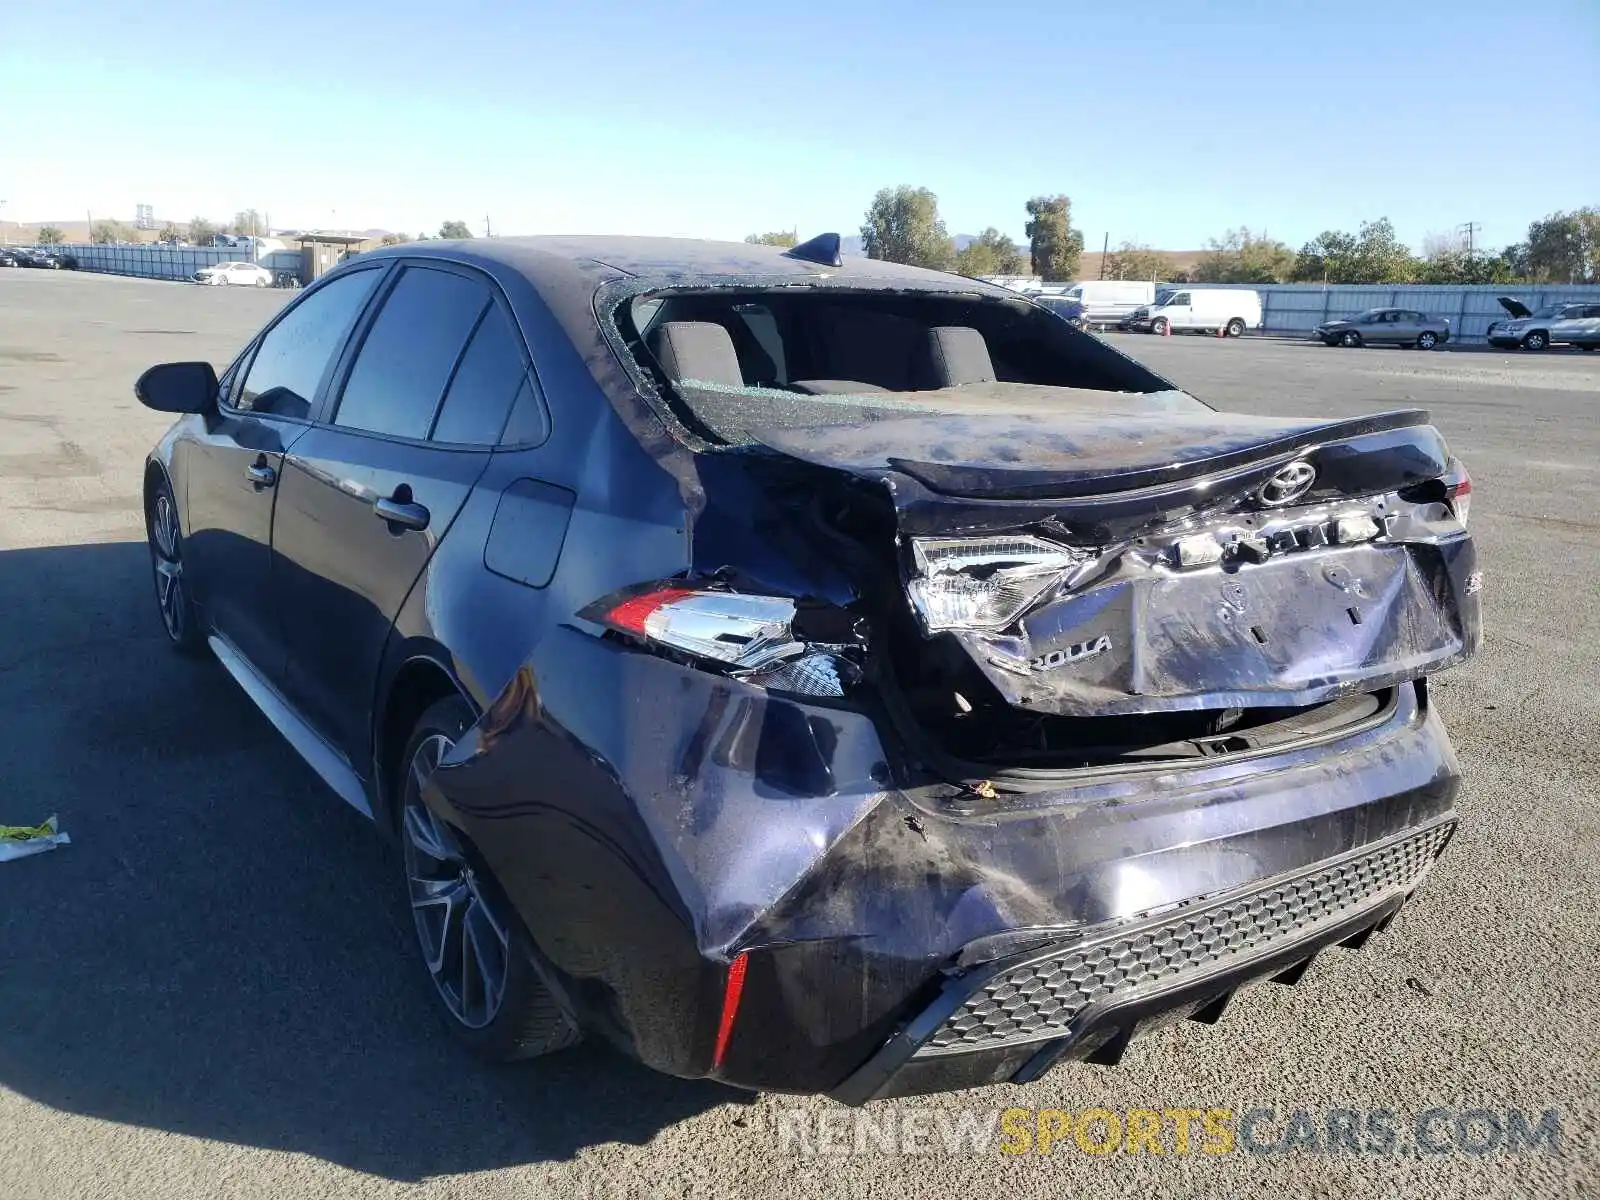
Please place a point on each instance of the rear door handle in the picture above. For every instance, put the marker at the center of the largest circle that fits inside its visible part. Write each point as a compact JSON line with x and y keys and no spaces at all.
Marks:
{"x":404,"y":513}
{"x":261,"y":475}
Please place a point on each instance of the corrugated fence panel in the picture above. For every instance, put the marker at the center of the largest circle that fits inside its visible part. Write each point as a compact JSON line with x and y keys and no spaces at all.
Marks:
{"x":1296,"y":308}
{"x":170,"y":262}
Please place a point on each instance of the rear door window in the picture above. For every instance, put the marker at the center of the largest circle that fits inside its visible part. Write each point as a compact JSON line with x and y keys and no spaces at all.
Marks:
{"x":287,"y":370}
{"x":485,"y":383}
{"x":409,"y":353}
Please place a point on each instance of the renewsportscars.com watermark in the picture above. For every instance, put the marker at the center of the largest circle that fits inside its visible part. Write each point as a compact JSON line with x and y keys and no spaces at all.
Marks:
{"x":889,"y":1129}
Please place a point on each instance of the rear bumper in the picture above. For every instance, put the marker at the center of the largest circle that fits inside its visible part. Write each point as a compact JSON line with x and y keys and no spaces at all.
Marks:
{"x":1087,"y":997}
{"x":652,"y":823}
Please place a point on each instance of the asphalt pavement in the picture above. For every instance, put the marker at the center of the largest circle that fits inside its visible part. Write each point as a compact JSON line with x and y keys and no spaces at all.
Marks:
{"x":211,"y":992}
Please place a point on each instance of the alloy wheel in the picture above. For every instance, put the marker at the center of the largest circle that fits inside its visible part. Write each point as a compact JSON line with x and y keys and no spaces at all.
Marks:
{"x":1427,"y":341}
{"x":465,"y":943}
{"x":167,"y":543}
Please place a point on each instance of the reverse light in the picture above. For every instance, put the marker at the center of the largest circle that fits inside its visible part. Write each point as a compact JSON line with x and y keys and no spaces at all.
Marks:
{"x":985,"y":583}
{"x":1458,"y":491}
{"x":1355,"y":528}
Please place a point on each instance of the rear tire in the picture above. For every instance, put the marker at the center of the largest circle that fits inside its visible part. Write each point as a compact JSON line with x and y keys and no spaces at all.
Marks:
{"x":1428,"y":340}
{"x":1235,"y":328}
{"x":1351,"y":339}
{"x":1536,"y":341}
{"x":473,"y":945}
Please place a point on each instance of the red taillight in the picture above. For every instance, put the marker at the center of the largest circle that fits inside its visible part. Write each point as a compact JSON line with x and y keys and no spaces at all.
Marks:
{"x":631,"y":615}
{"x":732,"y":991}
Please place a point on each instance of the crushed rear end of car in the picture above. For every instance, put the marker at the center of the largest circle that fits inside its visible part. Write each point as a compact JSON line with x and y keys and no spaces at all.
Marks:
{"x":990,"y":722}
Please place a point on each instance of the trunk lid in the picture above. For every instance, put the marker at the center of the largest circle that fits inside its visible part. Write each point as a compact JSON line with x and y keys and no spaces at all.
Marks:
{"x":1201,"y":560}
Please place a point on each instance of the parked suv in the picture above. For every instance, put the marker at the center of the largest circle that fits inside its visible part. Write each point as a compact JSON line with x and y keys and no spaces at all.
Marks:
{"x":821,"y":675}
{"x":1555,"y":324}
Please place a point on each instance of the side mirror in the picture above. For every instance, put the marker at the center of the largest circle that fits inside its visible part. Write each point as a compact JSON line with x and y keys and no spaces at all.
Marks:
{"x":180,"y":387}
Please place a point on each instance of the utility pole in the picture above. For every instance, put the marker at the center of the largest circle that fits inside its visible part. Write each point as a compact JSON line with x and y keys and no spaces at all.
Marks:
{"x":1469,"y":228}
{"x":488,"y":230}
{"x":1105,"y":248}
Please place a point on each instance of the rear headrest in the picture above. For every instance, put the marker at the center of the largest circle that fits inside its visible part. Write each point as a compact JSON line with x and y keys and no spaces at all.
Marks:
{"x":696,"y":350}
{"x":949,"y":355}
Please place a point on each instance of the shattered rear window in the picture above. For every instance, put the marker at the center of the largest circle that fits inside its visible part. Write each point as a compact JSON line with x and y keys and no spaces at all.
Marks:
{"x":735,"y":359}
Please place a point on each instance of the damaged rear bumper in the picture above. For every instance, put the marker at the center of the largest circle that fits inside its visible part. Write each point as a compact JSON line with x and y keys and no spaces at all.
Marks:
{"x":649,"y":844}
{"x":1087,"y":997}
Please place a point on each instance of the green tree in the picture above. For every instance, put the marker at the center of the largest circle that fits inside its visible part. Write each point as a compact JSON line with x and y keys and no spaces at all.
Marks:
{"x":1565,"y":247}
{"x":393,"y":239}
{"x":1055,"y":247}
{"x":990,"y":253}
{"x":903,"y":226}
{"x":201,"y":231}
{"x":105,"y":233}
{"x":782,"y":239}
{"x":1374,"y":255}
{"x":168,"y":233}
{"x":248,"y":223}
{"x":454,"y":229}
{"x":1240,"y":256}
{"x":50,"y":235}
{"x":1133,"y":261}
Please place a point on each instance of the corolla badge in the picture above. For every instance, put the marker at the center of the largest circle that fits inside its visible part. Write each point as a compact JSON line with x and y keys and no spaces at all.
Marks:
{"x":1288,"y":484}
{"x":1077,"y":652}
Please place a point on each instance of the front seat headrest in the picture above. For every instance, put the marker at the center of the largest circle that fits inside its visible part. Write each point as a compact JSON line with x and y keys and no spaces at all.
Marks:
{"x":698,"y":350}
{"x":950,"y":355}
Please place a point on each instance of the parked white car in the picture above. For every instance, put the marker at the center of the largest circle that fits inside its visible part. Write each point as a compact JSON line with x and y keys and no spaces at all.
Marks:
{"x":1231,"y":311}
{"x":235,"y":273}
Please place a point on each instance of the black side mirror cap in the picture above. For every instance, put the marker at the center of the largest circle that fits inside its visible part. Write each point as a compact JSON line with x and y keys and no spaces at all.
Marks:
{"x":179,"y":387}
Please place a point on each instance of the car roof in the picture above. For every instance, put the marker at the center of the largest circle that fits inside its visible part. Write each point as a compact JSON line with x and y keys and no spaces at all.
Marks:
{"x":558,"y":261}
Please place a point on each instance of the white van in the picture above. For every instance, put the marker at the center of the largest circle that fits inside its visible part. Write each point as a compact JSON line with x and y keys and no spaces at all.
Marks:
{"x":1106,"y":302}
{"x":1231,"y":311}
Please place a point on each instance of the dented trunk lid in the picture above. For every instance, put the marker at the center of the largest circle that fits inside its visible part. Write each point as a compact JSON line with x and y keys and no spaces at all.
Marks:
{"x":1297,"y":608}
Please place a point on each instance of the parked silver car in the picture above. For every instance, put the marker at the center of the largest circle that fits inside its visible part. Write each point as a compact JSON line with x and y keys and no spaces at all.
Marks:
{"x":1575,"y":324}
{"x":1397,"y":326}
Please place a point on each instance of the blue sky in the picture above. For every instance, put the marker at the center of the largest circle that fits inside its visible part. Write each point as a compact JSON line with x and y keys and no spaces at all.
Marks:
{"x":1166,"y":123}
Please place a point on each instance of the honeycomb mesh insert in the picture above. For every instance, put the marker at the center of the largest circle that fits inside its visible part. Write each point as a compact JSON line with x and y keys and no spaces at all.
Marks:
{"x":1040,"y":999}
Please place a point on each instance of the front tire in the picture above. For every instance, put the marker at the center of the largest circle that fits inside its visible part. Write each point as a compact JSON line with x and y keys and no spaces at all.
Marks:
{"x":477,"y":953}
{"x":1351,"y":340}
{"x":1159,"y":326}
{"x":1428,"y":340}
{"x":1536,"y":341}
{"x":165,"y":536}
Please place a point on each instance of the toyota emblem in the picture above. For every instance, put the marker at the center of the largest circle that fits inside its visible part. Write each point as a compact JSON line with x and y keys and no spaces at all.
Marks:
{"x":1288,"y":484}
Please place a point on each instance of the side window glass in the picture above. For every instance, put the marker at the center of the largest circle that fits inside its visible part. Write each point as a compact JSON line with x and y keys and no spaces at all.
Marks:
{"x":529,"y":423}
{"x":295,"y":352}
{"x":1181,"y":300}
{"x":485,"y":383}
{"x":763,"y":327}
{"x":404,"y":363}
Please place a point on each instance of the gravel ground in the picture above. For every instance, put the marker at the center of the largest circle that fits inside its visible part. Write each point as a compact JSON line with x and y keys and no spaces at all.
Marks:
{"x":211,"y":993}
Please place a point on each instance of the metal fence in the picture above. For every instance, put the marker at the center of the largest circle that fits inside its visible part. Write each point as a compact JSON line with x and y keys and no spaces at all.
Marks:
{"x":1296,"y":308}
{"x":170,"y":262}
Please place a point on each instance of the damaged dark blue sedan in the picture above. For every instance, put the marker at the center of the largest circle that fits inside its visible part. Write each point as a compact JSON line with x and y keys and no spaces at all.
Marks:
{"x":817,"y":675}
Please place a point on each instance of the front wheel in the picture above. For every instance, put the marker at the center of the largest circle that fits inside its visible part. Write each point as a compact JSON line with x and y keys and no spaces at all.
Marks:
{"x":1235,"y":328}
{"x":477,"y":954}
{"x":1537,"y":340}
{"x":1159,"y":326}
{"x":165,"y":536}
{"x":261,"y":281}
{"x":1428,"y":340}
{"x":1351,"y":339}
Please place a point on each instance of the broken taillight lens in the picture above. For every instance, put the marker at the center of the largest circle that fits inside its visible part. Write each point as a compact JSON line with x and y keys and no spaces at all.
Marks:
{"x":985,"y":582}
{"x":751,"y":635}
{"x":1458,"y":489}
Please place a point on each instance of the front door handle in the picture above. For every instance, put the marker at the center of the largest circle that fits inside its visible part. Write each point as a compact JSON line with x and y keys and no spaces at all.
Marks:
{"x":261,"y":475}
{"x":404,"y":513}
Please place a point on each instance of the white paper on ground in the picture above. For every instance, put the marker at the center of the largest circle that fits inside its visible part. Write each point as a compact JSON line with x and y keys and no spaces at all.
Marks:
{"x":20,"y":842}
